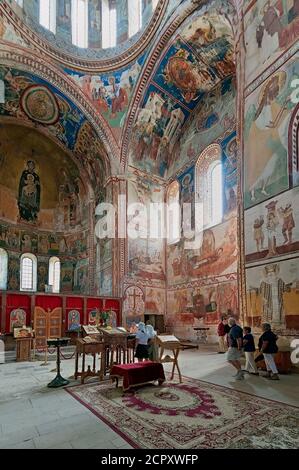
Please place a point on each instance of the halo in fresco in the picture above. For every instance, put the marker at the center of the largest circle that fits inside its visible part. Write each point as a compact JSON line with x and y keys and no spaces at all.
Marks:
{"x":40,"y":105}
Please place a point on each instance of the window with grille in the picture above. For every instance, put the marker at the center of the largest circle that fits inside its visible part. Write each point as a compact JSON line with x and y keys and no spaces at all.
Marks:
{"x":28,"y":272}
{"x":3,"y":269}
{"x":54,"y":274}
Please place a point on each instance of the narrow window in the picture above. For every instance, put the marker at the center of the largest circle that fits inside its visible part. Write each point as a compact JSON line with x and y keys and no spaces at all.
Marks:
{"x":80,"y":23}
{"x":28,"y":272}
{"x":47,"y":14}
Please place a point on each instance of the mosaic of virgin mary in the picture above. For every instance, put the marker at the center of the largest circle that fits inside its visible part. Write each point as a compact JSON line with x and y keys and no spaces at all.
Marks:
{"x":29,"y":193}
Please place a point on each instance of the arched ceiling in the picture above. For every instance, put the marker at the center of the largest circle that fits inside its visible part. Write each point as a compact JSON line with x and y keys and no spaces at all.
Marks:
{"x":189,"y":55}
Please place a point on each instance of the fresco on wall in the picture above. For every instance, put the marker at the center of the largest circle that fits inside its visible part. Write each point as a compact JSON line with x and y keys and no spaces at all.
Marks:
{"x":155,"y":301}
{"x":273,"y":294}
{"x":42,"y":274}
{"x":106,"y":282}
{"x":81,"y":276}
{"x":267,"y":117}
{"x":31,"y":8}
{"x":216,"y":255}
{"x":66,"y":276}
{"x":271,"y":27}
{"x":64,"y":20}
{"x":133,"y":306}
{"x":204,"y":304}
{"x":110,"y":94}
{"x":29,"y":242}
{"x":122,"y":25}
{"x":272,"y":228}
{"x":145,"y":255}
{"x":13,"y":277}
{"x":10,"y":34}
{"x":94,"y":23}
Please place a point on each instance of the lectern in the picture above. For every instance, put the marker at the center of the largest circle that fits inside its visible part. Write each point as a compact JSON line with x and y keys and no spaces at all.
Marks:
{"x":173,"y":344}
{"x":57,"y":343}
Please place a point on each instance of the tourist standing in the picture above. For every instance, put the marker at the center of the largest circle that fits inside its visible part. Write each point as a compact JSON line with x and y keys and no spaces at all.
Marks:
{"x":268,"y":347}
{"x":249,"y":349}
{"x":222,"y":332}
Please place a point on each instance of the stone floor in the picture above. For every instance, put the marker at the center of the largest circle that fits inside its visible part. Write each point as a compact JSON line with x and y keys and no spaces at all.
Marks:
{"x":34,"y":416}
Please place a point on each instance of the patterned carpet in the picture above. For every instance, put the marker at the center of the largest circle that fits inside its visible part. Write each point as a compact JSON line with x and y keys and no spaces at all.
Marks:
{"x":192,"y":415}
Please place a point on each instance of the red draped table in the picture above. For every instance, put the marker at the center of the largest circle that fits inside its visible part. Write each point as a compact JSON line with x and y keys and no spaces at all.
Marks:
{"x":139,"y":373}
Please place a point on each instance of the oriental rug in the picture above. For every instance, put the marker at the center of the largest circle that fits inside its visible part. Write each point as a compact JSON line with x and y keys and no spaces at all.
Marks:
{"x":192,"y":415}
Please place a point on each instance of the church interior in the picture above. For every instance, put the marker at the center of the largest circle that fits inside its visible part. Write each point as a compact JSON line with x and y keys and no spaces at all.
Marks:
{"x":149,"y":221}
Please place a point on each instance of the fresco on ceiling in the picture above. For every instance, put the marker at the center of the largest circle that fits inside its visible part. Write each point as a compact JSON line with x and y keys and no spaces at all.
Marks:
{"x":272,"y":228}
{"x":94,"y":23}
{"x":199,"y":306}
{"x":9,"y":33}
{"x":213,"y":118}
{"x":268,"y":111}
{"x":110,"y":93}
{"x":81,"y":276}
{"x":145,"y":255}
{"x":271,"y":27}
{"x":89,"y":149}
{"x":273,"y":295}
{"x":64,"y":20}
{"x":16,"y":84}
{"x":40,"y":185}
{"x":216,"y":255}
{"x":156,"y":130}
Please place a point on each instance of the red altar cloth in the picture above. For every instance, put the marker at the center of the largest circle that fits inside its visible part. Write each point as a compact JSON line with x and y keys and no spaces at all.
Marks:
{"x":138,"y":374}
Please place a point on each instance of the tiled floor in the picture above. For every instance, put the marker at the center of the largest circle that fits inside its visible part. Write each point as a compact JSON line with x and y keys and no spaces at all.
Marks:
{"x":34,"y":416}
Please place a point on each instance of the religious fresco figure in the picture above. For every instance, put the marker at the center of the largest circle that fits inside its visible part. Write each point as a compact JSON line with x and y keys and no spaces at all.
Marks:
{"x":29,"y":193}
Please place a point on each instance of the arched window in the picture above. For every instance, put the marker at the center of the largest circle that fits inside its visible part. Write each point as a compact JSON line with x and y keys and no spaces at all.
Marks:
{"x":28,"y":272}
{"x":209,"y":185}
{"x":47,"y":14}
{"x":3,"y":269}
{"x":109,"y":16}
{"x":80,"y":23}
{"x":54,"y":274}
{"x":173,"y":213}
{"x":216,"y":193}
{"x":134,"y":16}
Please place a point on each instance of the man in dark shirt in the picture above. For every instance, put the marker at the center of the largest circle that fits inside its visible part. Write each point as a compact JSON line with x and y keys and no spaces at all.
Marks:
{"x":249,"y":349}
{"x":268,"y":346}
{"x":235,"y":347}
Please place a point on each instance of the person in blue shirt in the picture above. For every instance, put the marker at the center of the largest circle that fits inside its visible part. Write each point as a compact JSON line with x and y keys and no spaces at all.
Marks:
{"x":249,"y":349}
{"x":234,"y":352}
